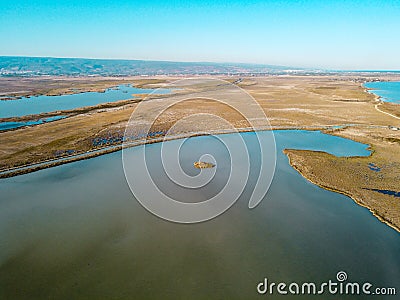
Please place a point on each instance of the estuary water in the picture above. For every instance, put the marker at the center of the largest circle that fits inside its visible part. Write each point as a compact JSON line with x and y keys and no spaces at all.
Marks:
{"x":42,"y":104}
{"x":388,"y":90}
{"x":76,"y":232}
{"x":11,"y":125}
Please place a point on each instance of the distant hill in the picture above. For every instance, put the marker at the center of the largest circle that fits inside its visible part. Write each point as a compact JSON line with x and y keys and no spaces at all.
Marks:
{"x":38,"y":66}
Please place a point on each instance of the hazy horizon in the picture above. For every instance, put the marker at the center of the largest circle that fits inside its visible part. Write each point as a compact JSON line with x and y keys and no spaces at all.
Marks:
{"x":210,"y":62}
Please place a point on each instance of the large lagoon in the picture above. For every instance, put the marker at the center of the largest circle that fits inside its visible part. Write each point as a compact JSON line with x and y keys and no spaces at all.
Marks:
{"x":76,"y":232}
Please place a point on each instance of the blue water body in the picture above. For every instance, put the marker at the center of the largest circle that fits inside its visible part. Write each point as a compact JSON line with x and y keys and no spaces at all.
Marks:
{"x":388,"y":90}
{"x":76,"y":232}
{"x":13,"y":125}
{"x":317,"y":141}
{"x":42,"y":104}
{"x":374,"y":167}
{"x":387,"y":192}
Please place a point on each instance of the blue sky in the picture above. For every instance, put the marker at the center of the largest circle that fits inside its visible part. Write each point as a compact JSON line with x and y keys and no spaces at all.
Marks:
{"x":323,"y":34}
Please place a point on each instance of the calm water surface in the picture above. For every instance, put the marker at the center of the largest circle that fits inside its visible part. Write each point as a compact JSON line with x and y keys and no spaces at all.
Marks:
{"x":76,"y":232}
{"x":43,"y":104}
{"x":388,"y":90}
{"x":10,"y":125}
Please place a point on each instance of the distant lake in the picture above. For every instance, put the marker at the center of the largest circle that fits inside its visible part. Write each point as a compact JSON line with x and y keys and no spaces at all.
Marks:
{"x":388,"y":90}
{"x":76,"y":232}
{"x":11,"y":125}
{"x":42,"y":104}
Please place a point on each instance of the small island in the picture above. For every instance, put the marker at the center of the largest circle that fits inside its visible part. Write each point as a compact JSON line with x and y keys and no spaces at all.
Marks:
{"x":203,"y":165}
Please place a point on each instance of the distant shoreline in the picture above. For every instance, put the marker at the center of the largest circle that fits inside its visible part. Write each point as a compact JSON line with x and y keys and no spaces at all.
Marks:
{"x":45,"y":66}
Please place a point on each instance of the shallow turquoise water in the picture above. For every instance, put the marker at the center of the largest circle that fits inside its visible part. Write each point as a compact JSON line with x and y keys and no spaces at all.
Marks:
{"x":76,"y":232}
{"x":388,"y":90}
{"x":43,"y":104}
{"x":11,"y":125}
